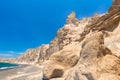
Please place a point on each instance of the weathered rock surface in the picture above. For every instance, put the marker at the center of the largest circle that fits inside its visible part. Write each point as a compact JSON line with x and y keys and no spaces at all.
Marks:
{"x":110,"y":64}
{"x":87,"y":49}
{"x":113,"y":41}
{"x":68,"y":34}
{"x":107,"y":22}
{"x":61,"y":61}
{"x":107,"y":76}
{"x":90,"y":64}
{"x":72,"y":19}
{"x":100,"y":56}
{"x":93,"y":49}
{"x":37,"y":55}
{"x":115,"y":5}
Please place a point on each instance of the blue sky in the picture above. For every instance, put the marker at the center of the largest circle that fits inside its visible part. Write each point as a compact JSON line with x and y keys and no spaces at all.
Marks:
{"x":29,"y":23}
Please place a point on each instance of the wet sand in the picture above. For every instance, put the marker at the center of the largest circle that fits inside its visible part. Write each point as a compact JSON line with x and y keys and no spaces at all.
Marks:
{"x":23,"y":72}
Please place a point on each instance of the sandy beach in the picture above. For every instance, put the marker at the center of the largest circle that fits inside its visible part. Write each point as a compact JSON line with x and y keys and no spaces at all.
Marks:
{"x":23,"y":72}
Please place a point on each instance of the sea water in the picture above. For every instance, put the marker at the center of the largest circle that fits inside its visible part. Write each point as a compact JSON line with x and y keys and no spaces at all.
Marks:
{"x":4,"y":65}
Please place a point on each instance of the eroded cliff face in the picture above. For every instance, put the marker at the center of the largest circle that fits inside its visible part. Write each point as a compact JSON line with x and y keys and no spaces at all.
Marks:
{"x":87,"y":49}
{"x":98,"y":54}
{"x":35,"y":56}
{"x":95,"y":62}
{"x":69,"y":34}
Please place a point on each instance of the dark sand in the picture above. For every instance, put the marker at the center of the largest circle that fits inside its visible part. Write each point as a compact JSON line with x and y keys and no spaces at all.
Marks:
{"x":23,"y":71}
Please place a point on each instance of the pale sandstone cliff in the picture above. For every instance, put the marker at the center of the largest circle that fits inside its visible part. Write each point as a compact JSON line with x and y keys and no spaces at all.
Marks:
{"x":87,"y":49}
{"x":37,"y":55}
{"x":68,"y":34}
{"x":98,"y":53}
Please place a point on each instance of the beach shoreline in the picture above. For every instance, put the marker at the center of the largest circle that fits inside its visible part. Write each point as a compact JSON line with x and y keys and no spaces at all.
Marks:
{"x":23,"y":71}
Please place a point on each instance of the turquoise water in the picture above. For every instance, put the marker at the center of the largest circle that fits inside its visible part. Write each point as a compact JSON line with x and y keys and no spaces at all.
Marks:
{"x":7,"y":65}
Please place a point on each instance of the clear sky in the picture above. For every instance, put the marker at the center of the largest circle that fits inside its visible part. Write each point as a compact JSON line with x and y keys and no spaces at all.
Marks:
{"x":29,"y":23}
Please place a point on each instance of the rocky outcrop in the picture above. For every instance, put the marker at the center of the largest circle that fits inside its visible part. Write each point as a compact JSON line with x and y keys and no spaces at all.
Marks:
{"x":94,"y":60}
{"x":60,"y":61}
{"x":107,"y":76}
{"x":72,"y":19}
{"x":110,"y":64}
{"x":68,"y":34}
{"x":87,"y":49}
{"x":115,"y":5}
{"x":42,"y":55}
{"x":37,"y":55}
{"x":113,"y":41}
{"x":98,"y":40}
{"x":53,"y":47}
{"x":93,"y":48}
{"x":104,"y":23}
